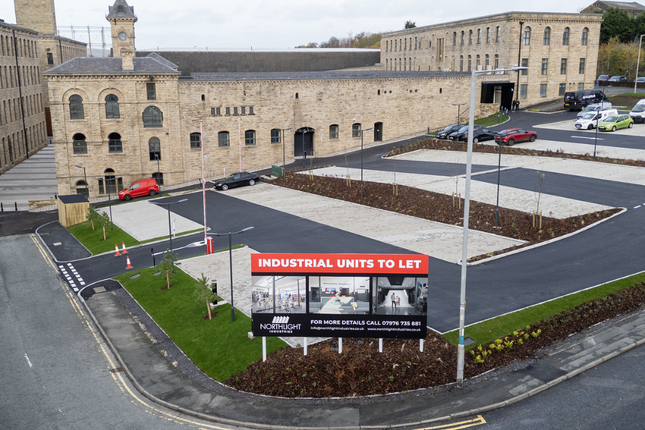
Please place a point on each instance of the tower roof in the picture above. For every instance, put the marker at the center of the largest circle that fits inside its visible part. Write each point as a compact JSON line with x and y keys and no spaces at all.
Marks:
{"x":120,"y":10}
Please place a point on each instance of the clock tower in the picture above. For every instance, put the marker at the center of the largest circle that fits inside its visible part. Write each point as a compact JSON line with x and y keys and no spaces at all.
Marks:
{"x":122,"y":19}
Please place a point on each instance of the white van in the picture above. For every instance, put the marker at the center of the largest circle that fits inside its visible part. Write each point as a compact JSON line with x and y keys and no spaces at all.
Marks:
{"x":638,"y":112}
{"x":595,"y":108}
{"x":590,"y":119}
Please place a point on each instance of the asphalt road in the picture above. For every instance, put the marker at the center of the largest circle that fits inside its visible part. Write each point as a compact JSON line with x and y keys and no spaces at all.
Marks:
{"x":55,"y":369}
{"x":609,"y":396}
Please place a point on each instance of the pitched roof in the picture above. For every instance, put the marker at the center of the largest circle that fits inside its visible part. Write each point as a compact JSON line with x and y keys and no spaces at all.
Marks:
{"x":307,"y":76}
{"x":110,"y":65}
{"x":623,"y":5}
{"x":120,"y":10}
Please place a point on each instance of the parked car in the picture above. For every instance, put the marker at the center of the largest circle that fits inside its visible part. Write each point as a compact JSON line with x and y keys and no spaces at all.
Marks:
{"x":595,"y":108}
{"x":479,"y":135}
{"x":237,"y":180}
{"x":603,"y":78}
{"x":638,"y":111}
{"x":443,"y":134}
{"x":575,"y":100}
{"x":640,"y":80}
{"x":590,"y":119}
{"x":618,"y":78}
{"x":143,"y":187}
{"x":615,"y":122}
{"x":456,"y":135}
{"x":513,"y":135}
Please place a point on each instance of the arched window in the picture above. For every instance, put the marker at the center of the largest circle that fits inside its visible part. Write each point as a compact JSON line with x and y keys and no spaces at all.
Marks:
{"x":115,"y":146}
{"x":470,"y":37}
{"x":470,"y":61}
{"x":565,"y":36}
{"x":81,"y":188}
{"x":356,"y":130}
{"x":154,"y":147}
{"x":454,"y":39}
{"x":527,"y":35}
{"x":80,"y":144}
{"x":275,"y":136}
{"x":585,"y":36}
{"x":333,"y":131}
{"x":112,"y":107}
{"x":195,"y":140}
{"x":222,"y":138}
{"x":478,"y":62}
{"x":152,"y":117}
{"x":110,"y":183}
{"x":461,"y":63}
{"x":487,"y":63}
{"x":546,"y":40}
{"x":462,"y":38}
{"x":76,"y":107}
{"x":249,"y":137}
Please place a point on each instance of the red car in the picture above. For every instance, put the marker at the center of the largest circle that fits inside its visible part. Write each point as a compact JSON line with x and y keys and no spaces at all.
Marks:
{"x":512,"y":135}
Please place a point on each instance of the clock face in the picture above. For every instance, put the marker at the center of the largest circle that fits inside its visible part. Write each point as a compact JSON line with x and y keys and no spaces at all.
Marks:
{"x":123,"y":36}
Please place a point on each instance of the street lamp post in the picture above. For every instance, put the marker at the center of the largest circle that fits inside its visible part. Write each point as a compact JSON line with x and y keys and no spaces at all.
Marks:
{"x":284,"y":179}
{"x":107,"y":185}
{"x":304,"y":153}
{"x":464,"y":253}
{"x":157,"y":158}
{"x":230,"y":256}
{"x":459,"y":105}
{"x":362,"y":130}
{"x":499,"y":167}
{"x":519,"y":60}
{"x":87,"y":186}
{"x":167,"y":204}
{"x":640,"y":42}
{"x":595,"y":141}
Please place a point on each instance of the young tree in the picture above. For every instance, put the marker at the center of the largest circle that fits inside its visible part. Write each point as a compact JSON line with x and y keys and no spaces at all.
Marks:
{"x":168,"y":264}
{"x":410,"y":24}
{"x":93,"y":216}
{"x":204,"y":292}
{"x":104,"y":219}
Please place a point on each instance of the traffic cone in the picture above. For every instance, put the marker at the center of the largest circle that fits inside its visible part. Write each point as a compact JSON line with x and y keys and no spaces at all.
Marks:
{"x":129,"y":266}
{"x":125,"y":251}
{"x":117,"y":250}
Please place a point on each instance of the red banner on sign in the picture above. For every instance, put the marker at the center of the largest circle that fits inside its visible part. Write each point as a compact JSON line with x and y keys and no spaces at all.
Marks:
{"x":400,"y":264}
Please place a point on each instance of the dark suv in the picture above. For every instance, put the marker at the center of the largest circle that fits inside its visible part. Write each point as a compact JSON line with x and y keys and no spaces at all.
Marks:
{"x":580,"y":99}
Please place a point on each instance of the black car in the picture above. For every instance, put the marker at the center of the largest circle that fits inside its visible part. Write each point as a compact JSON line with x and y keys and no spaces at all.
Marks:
{"x":457,"y":135}
{"x":480,"y":135}
{"x":237,"y":180}
{"x":443,"y":134}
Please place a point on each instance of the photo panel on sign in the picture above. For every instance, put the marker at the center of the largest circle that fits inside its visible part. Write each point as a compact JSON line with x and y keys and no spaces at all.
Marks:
{"x":279,"y":294}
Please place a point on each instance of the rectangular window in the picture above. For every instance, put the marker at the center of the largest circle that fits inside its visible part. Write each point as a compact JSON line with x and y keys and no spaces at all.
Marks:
{"x":218,"y":111}
{"x":525,"y":63}
{"x":212,"y":111}
{"x":563,"y":66}
{"x":228,"y":111}
{"x":243,"y":110}
{"x":222,"y":138}
{"x":581,"y":86}
{"x":50,"y":58}
{"x":479,"y":36}
{"x":488,"y":35}
{"x":356,"y":130}
{"x":275,"y":135}
{"x":195,"y":140}
{"x":333,"y":132}
{"x":251,"y":110}
{"x":545,"y":66}
{"x":249,"y":137}
{"x":542,"y":90}
{"x":581,"y":68}
{"x":151,"y":91}
{"x":523,"y":90}
{"x":235,"y":110}
{"x":497,"y":35}
{"x":439,"y":50}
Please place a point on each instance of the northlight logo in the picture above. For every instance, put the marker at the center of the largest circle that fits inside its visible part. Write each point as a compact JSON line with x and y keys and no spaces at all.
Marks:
{"x":280,"y":324}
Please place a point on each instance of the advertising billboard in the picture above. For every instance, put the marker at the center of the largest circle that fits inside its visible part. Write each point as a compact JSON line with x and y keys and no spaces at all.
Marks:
{"x":339,"y":295}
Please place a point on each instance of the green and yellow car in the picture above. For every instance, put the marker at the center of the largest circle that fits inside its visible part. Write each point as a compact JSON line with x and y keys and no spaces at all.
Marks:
{"x":614,"y":122}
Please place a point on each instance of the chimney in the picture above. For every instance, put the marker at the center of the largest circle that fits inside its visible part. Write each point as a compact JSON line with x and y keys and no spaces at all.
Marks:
{"x":127,"y":59}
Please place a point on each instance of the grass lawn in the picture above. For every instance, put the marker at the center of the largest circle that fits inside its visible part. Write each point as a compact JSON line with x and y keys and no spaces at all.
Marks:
{"x":93,"y":240}
{"x":499,"y":327}
{"x":219,"y":347}
{"x":492,"y":120}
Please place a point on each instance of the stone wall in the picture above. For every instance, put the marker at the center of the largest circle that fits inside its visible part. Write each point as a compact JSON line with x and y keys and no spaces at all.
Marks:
{"x":440,"y":47}
{"x":405,"y":106}
{"x":296,"y":60}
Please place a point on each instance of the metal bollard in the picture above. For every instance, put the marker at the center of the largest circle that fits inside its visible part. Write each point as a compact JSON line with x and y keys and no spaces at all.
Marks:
{"x":16,"y":205}
{"x":152,"y":251}
{"x":1,"y":207}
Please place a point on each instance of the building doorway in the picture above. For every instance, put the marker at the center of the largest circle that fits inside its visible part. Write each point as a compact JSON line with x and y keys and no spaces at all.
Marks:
{"x":303,"y":142}
{"x":378,"y":132}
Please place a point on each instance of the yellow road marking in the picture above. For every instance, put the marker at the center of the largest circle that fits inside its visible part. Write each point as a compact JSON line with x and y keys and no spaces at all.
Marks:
{"x":43,"y":252}
{"x":460,"y":425}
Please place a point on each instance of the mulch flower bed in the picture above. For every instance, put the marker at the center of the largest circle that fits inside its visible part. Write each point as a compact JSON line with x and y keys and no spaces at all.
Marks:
{"x":448,"y":145}
{"x":446,"y":209}
{"x":361,"y":370}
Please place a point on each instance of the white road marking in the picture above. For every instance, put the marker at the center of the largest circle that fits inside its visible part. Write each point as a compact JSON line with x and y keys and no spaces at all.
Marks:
{"x":585,"y":137}
{"x":636,"y":207}
{"x":28,"y":362}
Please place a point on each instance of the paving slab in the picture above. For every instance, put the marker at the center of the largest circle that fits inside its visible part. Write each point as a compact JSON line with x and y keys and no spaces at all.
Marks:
{"x":435,"y":239}
{"x":144,"y":221}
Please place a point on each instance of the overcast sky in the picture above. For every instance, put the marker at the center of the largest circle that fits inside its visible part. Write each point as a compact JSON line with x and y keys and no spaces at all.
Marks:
{"x":277,"y":23}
